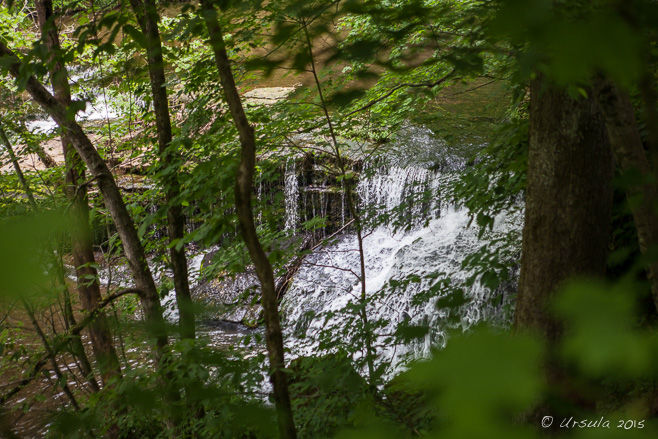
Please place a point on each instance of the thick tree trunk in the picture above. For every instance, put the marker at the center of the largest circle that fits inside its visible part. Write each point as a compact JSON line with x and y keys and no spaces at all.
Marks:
{"x":568,"y":202}
{"x":567,"y":220}
{"x":82,"y":250}
{"x":243,"y":193}
{"x":148,"y":21}
{"x":630,"y":157}
{"x":113,"y":200}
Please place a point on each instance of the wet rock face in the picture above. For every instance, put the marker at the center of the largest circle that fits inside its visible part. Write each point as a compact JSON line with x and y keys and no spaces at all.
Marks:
{"x":236,"y":298}
{"x":233,"y":299}
{"x":227,"y":297}
{"x":313,"y":191}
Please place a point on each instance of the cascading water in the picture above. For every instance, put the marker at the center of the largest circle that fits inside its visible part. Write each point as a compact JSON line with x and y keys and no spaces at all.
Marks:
{"x":291,"y":191}
{"x":414,"y":248}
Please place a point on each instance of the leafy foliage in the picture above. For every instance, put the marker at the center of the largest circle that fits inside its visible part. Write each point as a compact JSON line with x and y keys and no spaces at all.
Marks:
{"x":376,"y":66}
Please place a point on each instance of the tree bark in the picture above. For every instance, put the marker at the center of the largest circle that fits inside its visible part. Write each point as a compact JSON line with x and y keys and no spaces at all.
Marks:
{"x":568,"y":202}
{"x":243,"y":193}
{"x":113,"y":200}
{"x":630,"y":156}
{"x":76,"y":346}
{"x":82,"y":250}
{"x":147,"y":18}
{"x":567,"y":221}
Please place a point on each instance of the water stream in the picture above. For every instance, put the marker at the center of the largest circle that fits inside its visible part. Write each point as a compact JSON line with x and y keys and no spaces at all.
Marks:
{"x":413,"y":256}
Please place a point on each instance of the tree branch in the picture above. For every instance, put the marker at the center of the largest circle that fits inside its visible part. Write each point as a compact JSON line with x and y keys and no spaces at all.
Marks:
{"x":63,"y":341}
{"x":404,"y":85}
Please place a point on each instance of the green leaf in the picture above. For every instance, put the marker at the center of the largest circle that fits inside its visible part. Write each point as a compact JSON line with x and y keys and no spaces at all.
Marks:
{"x":454,"y":299}
{"x":601,"y":338}
{"x":136,"y":35}
{"x":22,"y":241}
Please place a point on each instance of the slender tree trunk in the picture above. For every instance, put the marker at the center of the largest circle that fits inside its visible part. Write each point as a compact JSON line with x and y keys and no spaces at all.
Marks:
{"x":34,"y":371}
{"x":77,"y":348}
{"x":243,"y":193}
{"x":76,"y":344}
{"x":630,"y":157}
{"x":20,"y":128}
{"x":113,"y":200}
{"x":82,"y":250}
{"x":368,"y":349}
{"x":52,"y":354}
{"x":147,"y":17}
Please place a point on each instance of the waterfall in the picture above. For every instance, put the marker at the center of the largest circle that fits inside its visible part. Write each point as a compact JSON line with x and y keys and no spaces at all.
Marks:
{"x":407,"y":193}
{"x":415,"y":246}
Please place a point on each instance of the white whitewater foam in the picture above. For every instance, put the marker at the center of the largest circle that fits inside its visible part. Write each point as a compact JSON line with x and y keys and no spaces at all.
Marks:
{"x":329,"y":278}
